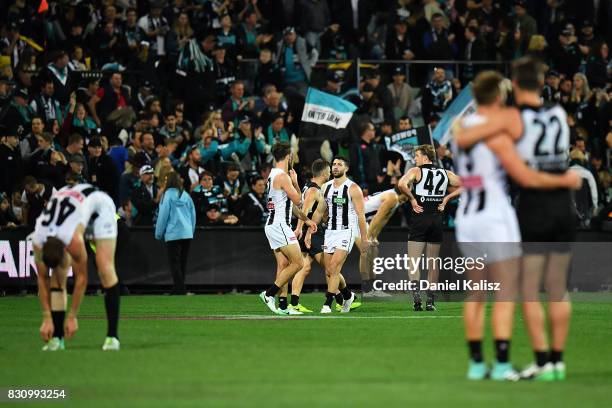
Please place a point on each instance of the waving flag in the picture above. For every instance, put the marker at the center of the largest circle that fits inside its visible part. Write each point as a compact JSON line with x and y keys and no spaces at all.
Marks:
{"x":462,"y":106}
{"x":327,"y":110}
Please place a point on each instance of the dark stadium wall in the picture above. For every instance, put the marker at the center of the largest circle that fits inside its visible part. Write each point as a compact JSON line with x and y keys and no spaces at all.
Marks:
{"x":240,"y":257}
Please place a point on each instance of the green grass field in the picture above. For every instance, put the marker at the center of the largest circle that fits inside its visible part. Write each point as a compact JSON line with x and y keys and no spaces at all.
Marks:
{"x":383,"y":354}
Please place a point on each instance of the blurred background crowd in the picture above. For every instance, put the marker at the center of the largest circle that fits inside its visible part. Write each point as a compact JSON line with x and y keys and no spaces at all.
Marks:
{"x":120,"y":93}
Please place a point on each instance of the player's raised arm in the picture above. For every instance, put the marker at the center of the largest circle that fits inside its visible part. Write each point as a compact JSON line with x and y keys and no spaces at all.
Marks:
{"x":506,"y":120}
{"x":405,"y":185}
{"x":357,"y":198}
{"x":526,"y":177}
{"x":454,"y":182}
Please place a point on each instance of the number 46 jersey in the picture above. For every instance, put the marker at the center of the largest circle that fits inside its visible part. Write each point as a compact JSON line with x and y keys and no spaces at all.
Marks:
{"x":82,"y":204}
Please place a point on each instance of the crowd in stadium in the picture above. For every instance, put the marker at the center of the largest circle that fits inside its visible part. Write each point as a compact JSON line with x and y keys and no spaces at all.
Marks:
{"x":119,"y":93}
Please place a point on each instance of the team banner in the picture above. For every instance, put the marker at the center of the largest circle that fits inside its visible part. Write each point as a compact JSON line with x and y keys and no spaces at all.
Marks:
{"x":325,"y":109}
{"x":404,"y":142}
{"x":463,"y":105}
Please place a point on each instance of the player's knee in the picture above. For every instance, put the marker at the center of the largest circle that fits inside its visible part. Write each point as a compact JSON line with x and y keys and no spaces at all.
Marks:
{"x":298,"y":263}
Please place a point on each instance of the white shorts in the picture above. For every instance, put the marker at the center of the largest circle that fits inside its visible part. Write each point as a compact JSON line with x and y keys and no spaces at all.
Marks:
{"x":280,"y":235}
{"x":104,"y":225}
{"x":339,"y":239}
{"x":496,"y":236}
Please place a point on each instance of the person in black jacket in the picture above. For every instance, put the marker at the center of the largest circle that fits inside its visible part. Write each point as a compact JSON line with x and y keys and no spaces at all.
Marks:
{"x":253,"y":205}
{"x":102,"y":170}
{"x":146,"y":197}
{"x":36,"y":194}
{"x":11,"y":165}
{"x":365,"y":157}
{"x":475,"y":50}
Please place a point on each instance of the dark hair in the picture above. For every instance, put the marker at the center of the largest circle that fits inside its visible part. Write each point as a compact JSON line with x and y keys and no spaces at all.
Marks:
{"x":174,"y":180}
{"x":472,"y":30}
{"x":318,"y":167}
{"x":486,"y":87}
{"x":437,"y":15}
{"x":281,"y":150}
{"x":427,"y":150}
{"x":405,"y":117}
{"x":207,"y":173}
{"x":75,"y":138}
{"x":29,"y":180}
{"x":364,"y":126}
{"x":255,"y":179}
{"x":344,"y":159}
{"x":528,"y":73}
{"x":53,"y":252}
{"x":232,"y":167}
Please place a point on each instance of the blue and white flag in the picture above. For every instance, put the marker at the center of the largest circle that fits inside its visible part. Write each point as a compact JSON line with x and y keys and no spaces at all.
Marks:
{"x":325,"y":109}
{"x":462,"y":106}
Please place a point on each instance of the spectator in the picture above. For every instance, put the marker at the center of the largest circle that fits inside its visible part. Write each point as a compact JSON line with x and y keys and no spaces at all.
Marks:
{"x":36,"y":194}
{"x":314,"y":19}
{"x":176,"y":225}
{"x":237,"y":105}
{"x":171,"y":130}
{"x":586,"y":209}
{"x":109,"y":44}
{"x":45,"y":105}
{"x":8,"y":219}
{"x":48,"y":164}
{"x":206,"y":194}
{"x":29,"y":143}
{"x":232,"y":188}
{"x":437,"y":95}
{"x":475,"y":50}
{"x":214,"y":217}
{"x":229,"y":37}
{"x":147,"y":147}
{"x":119,"y":154}
{"x":144,"y":95}
{"x":365,"y":158}
{"x":274,"y":106}
{"x":294,"y":59}
{"x":155,"y":28}
{"x":76,"y":164}
{"x":11,"y":164}
{"x":129,"y":180}
{"x":87,"y":91}
{"x":112,"y":103}
{"x":401,"y":93}
{"x":354,"y":17}
{"x":381,"y":92}
{"x":102,"y":171}
{"x":208,"y":146}
{"x":253,"y":205}
{"x":57,"y":71}
{"x":225,"y":73}
{"x":551,"y":92}
{"x":398,"y":45}
{"x":268,"y":72}
{"x":251,"y":36}
{"x":566,"y":54}
{"x":191,"y":170}
{"x":438,"y":42}
{"x":19,"y":113}
{"x":597,"y":65}
{"x":333,"y":84}
{"x":333,"y":43}
{"x":527,"y":24}
{"x":145,"y":197}
{"x":181,"y":31}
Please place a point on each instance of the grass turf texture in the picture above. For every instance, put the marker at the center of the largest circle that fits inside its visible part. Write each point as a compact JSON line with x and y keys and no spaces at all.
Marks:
{"x":374,"y":356}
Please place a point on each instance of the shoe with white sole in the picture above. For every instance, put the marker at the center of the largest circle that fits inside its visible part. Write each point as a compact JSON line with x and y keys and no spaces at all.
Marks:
{"x":268,"y":301}
{"x":54,"y":344}
{"x":346,"y":306}
{"x":560,"y":371}
{"x":326,"y":309}
{"x":111,"y":344}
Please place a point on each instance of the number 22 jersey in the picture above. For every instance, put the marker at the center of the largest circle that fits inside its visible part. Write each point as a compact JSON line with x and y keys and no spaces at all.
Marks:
{"x":82,"y":204}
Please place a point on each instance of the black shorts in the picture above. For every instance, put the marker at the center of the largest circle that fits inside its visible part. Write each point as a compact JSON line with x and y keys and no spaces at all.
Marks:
{"x":546,"y":217}
{"x":426,"y":227}
{"x":316,"y":242}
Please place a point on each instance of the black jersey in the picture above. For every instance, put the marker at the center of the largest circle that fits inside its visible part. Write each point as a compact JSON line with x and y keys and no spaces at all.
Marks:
{"x":430,"y":190}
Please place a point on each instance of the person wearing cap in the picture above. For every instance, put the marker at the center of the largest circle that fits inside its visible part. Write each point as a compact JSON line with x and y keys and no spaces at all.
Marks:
{"x":294,"y":59}
{"x":102,"y":171}
{"x":11,"y":164}
{"x":527,"y":24}
{"x":19,"y":113}
{"x":76,"y":162}
{"x":401,"y":93}
{"x":587,"y":38}
{"x":398,"y":45}
{"x":333,"y":84}
{"x":566,"y":55}
{"x":225,"y":72}
{"x":146,"y":196}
